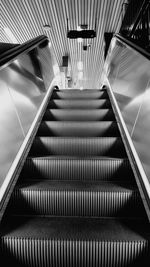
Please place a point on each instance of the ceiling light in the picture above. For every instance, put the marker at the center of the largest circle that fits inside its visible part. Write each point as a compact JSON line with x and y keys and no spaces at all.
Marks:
{"x":56,"y":69}
{"x":10,"y":35}
{"x":80,"y":65}
{"x":47,"y":27}
{"x":80,"y":40}
{"x":79,"y":28}
{"x":49,"y":45}
{"x":80,"y":75}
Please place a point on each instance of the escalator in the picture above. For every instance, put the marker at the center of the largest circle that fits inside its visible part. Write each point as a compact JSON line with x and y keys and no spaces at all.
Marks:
{"x":76,"y":202}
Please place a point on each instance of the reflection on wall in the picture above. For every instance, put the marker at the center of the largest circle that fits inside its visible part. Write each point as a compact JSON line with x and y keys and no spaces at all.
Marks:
{"x":128,"y":73}
{"x":23,"y":85}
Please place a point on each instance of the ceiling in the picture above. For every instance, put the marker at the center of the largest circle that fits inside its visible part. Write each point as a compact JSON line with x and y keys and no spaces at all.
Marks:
{"x":25,"y":19}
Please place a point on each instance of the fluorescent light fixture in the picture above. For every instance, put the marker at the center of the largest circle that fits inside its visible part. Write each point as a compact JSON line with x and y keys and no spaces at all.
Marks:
{"x":10,"y":35}
{"x":49,"y":44}
{"x":80,"y":75}
{"x":79,"y":40}
{"x":47,"y":27}
{"x":80,"y":65}
{"x":79,"y":28}
{"x":55,"y":69}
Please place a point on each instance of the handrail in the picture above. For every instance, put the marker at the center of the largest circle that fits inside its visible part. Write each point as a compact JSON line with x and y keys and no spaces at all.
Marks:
{"x":135,"y":26}
{"x":138,"y":17}
{"x":8,"y":56}
{"x":133,"y":45}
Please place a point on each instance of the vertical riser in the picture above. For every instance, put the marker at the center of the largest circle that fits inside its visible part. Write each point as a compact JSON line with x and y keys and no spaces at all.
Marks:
{"x":78,"y":115}
{"x":68,"y":130}
{"x":79,"y":104}
{"x":68,"y":253}
{"x":77,"y":147}
{"x":79,"y":95}
{"x":77,"y":169}
{"x":75,"y":203}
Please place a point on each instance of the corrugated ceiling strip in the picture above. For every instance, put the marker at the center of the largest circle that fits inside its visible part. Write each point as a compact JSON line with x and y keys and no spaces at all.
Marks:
{"x":6,"y":13}
{"x":32,"y":16}
{"x":113,"y":10}
{"x":57,"y":26}
{"x":100,"y":32}
{"x":62,"y":23}
{"x":61,"y":30}
{"x":116,"y":12}
{"x":117,"y":23}
{"x":26,"y":18}
{"x":70,"y":42}
{"x":52,"y":35}
{"x":18,"y":10}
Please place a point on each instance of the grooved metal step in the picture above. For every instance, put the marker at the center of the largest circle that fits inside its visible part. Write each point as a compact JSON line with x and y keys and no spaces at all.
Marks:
{"x":78,"y":129}
{"x":72,"y":198}
{"x":75,"y":168}
{"x":78,"y":146}
{"x":79,"y":104}
{"x":57,"y":242}
{"x":79,"y":95}
{"x":79,"y":115}
{"x":76,"y":91}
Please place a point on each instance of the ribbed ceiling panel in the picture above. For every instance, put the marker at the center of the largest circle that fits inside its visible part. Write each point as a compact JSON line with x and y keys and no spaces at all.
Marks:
{"x":25,"y":18}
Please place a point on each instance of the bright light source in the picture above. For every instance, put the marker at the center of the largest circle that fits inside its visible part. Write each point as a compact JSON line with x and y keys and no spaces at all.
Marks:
{"x":80,"y":65}
{"x":49,"y":45}
{"x":47,"y":27}
{"x":56,"y":69}
{"x":80,"y":75}
{"x":79,"y":28}
{"x":81,"y":88}
{"x":10,"y":35}
{"x":80,"y":40}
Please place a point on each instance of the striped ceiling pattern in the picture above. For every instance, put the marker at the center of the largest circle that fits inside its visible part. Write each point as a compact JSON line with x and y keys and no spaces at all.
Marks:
{"x":25,"y":19}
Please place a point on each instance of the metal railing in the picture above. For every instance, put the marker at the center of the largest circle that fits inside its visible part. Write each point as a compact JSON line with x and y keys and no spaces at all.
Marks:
{"x":9,"y":55}
{"x":136,"y":23}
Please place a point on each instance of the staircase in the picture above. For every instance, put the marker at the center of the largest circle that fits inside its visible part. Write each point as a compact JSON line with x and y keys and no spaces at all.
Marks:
{"x":76,"y":203}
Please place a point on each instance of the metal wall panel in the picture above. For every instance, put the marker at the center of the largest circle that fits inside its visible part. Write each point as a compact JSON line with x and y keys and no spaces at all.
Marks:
{"x":129,"y":78}
{"x":23,"y":85}
{"x":11,"y":135}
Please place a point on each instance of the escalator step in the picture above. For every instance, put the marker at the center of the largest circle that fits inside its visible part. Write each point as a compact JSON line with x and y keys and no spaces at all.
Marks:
{"x":75,"y":168}
{"x":76,"y":91}
{"x":73,"y":146}
{"x":76,"y":198}
{"x":79,"y":115}
{"x":79,"y":95}
{"x":78,"y":129}
{"x":57,"y":242}
{"x":79,"y":104}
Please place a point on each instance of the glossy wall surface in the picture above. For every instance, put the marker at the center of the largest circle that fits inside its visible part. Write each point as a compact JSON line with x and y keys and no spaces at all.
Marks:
{"x":23,"y":85}
{"x":128,"y":73}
